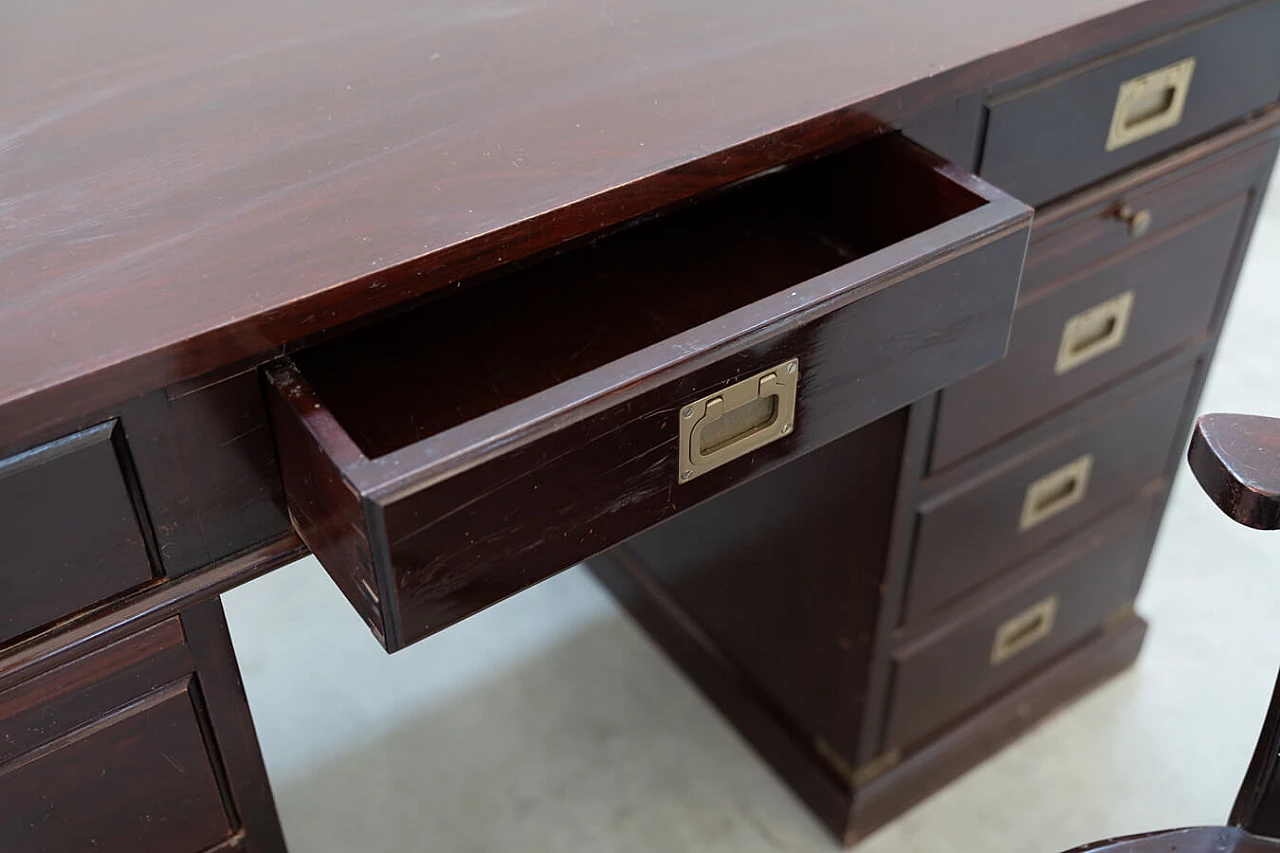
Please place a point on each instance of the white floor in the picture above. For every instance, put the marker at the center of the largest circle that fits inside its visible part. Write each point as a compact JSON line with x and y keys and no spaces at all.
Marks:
{"x":549,"y":723}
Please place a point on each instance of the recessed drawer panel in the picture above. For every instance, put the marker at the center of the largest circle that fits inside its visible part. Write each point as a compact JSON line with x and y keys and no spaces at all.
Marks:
{"x":969,"y":534}
{"x":1095,"y":328}
{"x":1101,"y":296}
{"x":1055,"y":604}
{"x":1062,"y":134}
{"x":444,"y":459}
{"x":1141,"y":206}
{"x":139,"y":781}
{"x":107,"y":753}
{"x":70,"y":534}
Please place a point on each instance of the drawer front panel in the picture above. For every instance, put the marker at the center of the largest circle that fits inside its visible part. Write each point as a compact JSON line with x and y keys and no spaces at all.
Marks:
{"x":40,"y":710}
{"x":1058,"y":602}
{"x":986,"y":525}
{"x":114,"y":750}
{"x":99,"y":787}
{"x":1065,"y":133}
{"x":70,"y":526}
{"x":1140,"y":207}
{"x":541,"y":508}
{"x":1073,"y":338}
{"x":465,"y":452}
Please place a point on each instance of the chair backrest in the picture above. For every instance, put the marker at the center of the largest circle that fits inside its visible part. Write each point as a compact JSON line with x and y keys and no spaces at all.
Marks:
{"x":1236,"y":460}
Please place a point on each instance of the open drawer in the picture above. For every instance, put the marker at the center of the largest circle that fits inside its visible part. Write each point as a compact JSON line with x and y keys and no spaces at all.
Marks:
{"x":446,"y":458}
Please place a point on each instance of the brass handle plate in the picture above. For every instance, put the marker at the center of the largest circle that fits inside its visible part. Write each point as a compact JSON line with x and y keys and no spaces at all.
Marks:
{"x":1055,"y":492}
{"x":728,"y":424}
{"x":1024,"y":630}
{"x":1093,"y":332}
{"x":1150,"y":103}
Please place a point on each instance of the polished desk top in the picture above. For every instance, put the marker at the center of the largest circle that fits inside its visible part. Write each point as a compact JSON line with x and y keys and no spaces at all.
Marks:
{"x":185,"y":186}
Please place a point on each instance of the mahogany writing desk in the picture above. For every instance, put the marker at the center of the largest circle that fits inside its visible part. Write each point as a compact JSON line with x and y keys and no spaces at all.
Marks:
{"x":714,"y":297}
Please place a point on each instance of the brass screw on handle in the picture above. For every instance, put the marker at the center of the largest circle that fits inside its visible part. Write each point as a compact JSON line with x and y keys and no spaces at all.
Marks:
{"x":1139,"y":222}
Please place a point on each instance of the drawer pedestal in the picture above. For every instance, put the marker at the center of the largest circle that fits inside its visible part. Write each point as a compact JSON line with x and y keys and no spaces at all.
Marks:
{"x":880,"y":614}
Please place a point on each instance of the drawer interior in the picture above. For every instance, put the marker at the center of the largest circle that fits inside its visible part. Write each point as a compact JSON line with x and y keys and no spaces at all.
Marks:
{"x":509,"y":337}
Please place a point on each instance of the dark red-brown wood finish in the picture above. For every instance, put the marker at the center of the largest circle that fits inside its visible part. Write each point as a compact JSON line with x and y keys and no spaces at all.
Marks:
{"x":1236,"y":459}
{"x":1098,"y":205}
{"x":952,"y":669}
{"x":881,"y":272}
{"x":193,"y":186}
{"x":193,"y":192}
{"x":972,"y":532}
{"x":142,"y":745}
{"x":1085,"y":255}
{"x":45,"y":572}
{"x":933,"y":698}
{"x":1044,"y":140}
{"x":780,"y":574}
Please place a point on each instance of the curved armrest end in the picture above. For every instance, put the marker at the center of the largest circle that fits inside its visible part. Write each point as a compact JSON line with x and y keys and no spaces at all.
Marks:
{"x":1236,"y":460}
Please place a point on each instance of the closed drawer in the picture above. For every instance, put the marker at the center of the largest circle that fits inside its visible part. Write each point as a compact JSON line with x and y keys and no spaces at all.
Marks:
{"x":69,"y":525}
{"x":108,"y":753}
{"x":1058,"y":602}
{"x":442,"y":460}
{"x":1064,"y":133}
{"x":1022,"y":504}
{"x":1097,"y":303}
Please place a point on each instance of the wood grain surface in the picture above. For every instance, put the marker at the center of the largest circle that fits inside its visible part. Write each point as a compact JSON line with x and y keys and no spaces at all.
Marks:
{"x":423,"y":530}
{"x":184,"y":186}
{"x":71,"y":529}
{"x":1075,"y":262}
{"x":1236,"y":460}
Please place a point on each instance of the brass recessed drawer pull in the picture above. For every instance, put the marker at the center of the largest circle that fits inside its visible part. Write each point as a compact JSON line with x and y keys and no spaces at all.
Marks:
{"x":1150,"y":103}
{"x":1056,"y":492}
{"x":1064,"y":594}
{"x":1114,"y":111}
{"x":1024,"y":630}
{"x":1093,"y":332}
{"x":731,"y":423}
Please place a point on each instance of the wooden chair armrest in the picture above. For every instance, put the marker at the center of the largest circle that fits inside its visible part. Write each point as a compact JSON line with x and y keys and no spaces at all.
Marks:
{"x":1236,"y":460}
